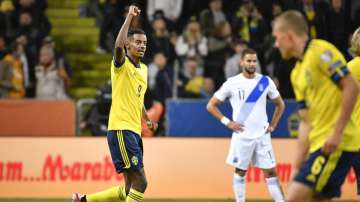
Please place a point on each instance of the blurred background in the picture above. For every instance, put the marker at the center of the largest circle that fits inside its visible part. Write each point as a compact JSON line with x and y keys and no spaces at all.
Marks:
{"x":55,"y":57}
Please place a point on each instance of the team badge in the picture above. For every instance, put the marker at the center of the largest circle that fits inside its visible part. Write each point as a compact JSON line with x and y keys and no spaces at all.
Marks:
{"x":135,"y":160}
{"x":326,"y":56}
{"x":261,"y":87}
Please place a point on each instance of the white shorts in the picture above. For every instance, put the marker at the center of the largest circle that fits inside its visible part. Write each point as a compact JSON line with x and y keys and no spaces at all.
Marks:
{"x":258,"y":150}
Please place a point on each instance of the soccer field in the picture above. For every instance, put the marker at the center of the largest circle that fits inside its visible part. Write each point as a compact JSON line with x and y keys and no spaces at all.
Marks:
{"x":164,"y":200}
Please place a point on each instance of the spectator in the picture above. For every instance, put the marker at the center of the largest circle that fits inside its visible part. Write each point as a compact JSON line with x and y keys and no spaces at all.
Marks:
{"x":164,"y":78}
{"x":6,"y":25}
{"x":50,"y":78}
{"x":159,"y":39}
{"x":208,"y":88}
{"x":219,"y":50}
{"x":109,"y":19}
{"x":232,"y":65}
{"x":36,"y":9}
{"x":248,"y":25}
{"x":27,"y":29}
{"x":157,"y":64}
{"x":192,"y":81}
{"x":61,"y":61}
{"x":170,"y":8}
{"x":11,"y":75}
{"x":213,"y":17}
{"x":338,"y":26}
{"x":192,"y":43}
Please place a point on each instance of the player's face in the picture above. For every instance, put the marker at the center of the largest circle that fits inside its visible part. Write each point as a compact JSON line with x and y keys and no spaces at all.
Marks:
{"x":248,"y":63}
{"x":137,"y":45}
{"x":282,"y":42}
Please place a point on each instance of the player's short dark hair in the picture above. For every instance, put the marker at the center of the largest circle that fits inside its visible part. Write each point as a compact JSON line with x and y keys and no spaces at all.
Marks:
{"x":247,"y":51}
{"x":135,"y":31}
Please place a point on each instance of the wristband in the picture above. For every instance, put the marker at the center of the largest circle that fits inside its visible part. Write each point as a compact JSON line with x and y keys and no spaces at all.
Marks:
{"x":224,"y":120}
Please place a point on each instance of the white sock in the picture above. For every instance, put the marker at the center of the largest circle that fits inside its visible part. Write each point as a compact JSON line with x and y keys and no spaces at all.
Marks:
{"x":239,"y":187}
{"x":275,"y":189}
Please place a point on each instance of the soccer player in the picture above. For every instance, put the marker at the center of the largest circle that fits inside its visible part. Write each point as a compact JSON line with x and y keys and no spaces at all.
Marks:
{"x":129,"y":83}
{"x":354,"y":67}
{"x":325,"y":92}
{"x":250,"y":140}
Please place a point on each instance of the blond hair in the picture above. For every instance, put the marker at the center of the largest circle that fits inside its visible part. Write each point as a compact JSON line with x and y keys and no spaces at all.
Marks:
{"x":355,"y":42}
{"x":292,"y":20}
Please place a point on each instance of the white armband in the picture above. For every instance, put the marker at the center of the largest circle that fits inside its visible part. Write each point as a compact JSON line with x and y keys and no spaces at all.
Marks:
{"x":224,"y":120}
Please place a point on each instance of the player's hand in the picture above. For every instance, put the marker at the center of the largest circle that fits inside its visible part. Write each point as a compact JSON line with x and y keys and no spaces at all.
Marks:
{"x":235,"y":126}
{"x":331,"y":144}
{"x":269,"y":129}
{"x":134,"y":11}
{"x":152,"y":125}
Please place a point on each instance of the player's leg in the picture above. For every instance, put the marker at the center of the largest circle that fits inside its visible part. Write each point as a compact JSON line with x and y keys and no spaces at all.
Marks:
{"x":264,"y":158}
{"x":115,"y":193}
{"x":239,"y":184}
{"x":239,"y":156}
{"x":138,"y":186}
{"x":131,"y":145}
{"x":356,"y":167}
{"x":273,"y":185}
{"x":321,"y":176}
{"x":298,"y":192}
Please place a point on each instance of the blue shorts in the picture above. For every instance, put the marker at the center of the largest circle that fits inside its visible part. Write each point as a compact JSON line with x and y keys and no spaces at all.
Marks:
{"x":325,"y":174}
{"x":356,"y":167}
{"x":126,"y":150}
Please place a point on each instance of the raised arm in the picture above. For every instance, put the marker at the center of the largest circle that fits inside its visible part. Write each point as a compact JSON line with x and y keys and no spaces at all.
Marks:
{"x":119,"y":52}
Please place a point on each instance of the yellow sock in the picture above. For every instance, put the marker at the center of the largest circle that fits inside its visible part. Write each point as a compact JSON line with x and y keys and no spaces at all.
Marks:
{"x":109,"y":195}
{"x":134,"y":196}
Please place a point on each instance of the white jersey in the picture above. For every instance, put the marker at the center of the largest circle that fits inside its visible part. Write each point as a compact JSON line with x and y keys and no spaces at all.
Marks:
{"x":248,"y":101}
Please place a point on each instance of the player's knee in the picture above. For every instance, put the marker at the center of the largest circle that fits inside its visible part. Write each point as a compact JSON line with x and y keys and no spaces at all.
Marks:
{"x":292,"y":198}
{"x":240,"y":172}
{"x":140,"y":184}
{"x":269,"y":173}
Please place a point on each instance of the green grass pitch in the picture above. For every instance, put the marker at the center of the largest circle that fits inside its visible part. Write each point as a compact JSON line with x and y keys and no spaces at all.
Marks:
{"x":169,"y":200}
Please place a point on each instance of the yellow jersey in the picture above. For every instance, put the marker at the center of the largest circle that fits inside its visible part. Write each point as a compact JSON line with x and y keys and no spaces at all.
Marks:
{"x":129,"y":84}
{"x":315,"y":80}
{"x":354,"y":68}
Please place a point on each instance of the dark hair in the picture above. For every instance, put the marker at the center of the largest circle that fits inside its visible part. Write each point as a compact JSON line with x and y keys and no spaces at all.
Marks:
{"x":246,"y":52}
{"x":135,"y":31}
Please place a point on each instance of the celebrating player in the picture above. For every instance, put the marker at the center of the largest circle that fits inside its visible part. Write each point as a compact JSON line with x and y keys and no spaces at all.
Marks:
{"x":129,"y":83}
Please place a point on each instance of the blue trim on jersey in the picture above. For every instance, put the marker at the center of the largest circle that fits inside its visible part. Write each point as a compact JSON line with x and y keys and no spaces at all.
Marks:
{"x":301,"y":104}
{"x":252,"y":99}
{"x":336,"y":76}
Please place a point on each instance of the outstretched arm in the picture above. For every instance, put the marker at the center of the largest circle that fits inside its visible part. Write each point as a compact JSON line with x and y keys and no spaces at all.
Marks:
{"x":119,"y":52}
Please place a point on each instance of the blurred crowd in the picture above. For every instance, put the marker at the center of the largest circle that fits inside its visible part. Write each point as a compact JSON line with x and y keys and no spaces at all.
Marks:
{"x":192,"y":47}
{"x":205,"y":40}
{"x":29,"y":65}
